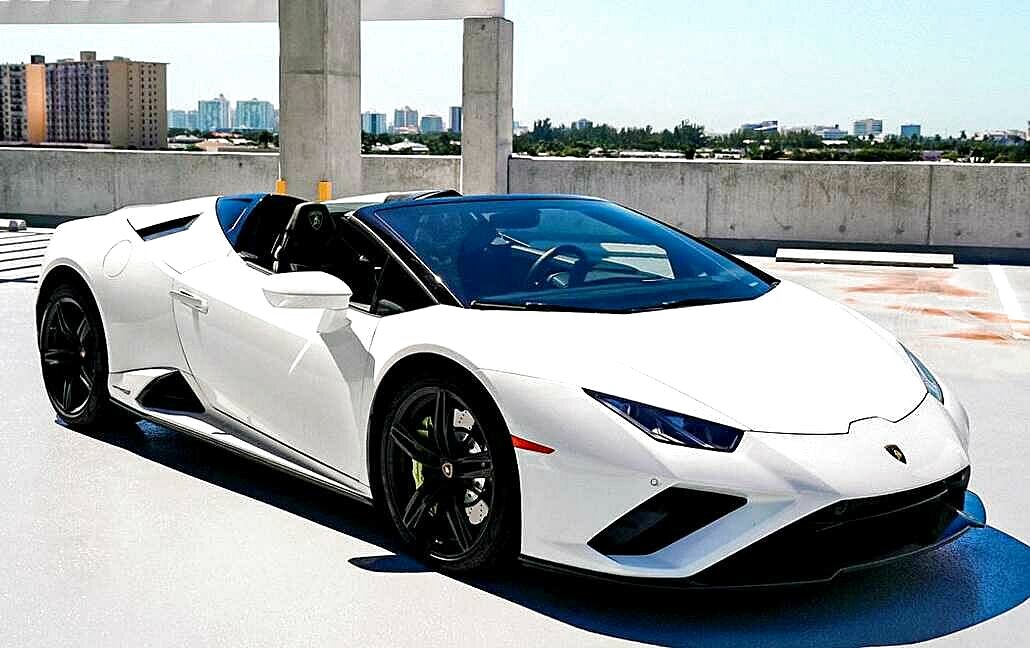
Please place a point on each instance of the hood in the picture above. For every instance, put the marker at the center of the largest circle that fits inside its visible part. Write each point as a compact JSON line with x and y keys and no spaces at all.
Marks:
{"x":790,"y":361}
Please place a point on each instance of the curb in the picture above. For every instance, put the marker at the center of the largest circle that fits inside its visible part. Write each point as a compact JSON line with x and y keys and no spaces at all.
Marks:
{"x":849,"y":257}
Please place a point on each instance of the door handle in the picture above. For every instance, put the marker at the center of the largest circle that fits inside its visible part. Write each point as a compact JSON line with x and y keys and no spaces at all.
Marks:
{"x":189,"y":300}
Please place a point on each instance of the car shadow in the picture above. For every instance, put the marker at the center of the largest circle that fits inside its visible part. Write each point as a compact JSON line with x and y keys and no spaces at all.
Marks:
{"x":225,"y":469}
{"x":978,"y":577}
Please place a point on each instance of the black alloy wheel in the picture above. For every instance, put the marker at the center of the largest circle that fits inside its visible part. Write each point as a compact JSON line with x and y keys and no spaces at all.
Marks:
{"x":448,"y":476}
{"x":73,"y":357}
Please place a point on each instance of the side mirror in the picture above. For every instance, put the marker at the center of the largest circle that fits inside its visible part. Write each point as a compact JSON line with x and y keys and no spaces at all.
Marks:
{"x":314,"y":290}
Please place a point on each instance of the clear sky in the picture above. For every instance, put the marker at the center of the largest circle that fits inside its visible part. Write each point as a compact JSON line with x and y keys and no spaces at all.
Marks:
{"x":947,"y":64}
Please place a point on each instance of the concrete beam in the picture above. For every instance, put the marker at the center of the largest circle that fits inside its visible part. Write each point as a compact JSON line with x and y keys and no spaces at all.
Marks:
{"x":320,"y":97}
{"x":221,"y":11}
{"x":487,"y":99}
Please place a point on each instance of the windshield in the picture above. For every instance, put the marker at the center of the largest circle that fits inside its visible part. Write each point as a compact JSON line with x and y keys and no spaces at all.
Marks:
{"x":567,"y":254}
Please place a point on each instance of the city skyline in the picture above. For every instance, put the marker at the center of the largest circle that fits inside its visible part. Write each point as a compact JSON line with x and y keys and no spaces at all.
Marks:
{"x":949,"y":67}
{"x":377,"y":123}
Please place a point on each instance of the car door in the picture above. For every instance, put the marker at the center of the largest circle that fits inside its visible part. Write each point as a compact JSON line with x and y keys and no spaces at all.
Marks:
{"x":269,"y":369}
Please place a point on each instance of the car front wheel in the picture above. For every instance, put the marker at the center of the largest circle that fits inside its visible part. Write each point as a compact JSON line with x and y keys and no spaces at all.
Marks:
{"x":448,"y":475}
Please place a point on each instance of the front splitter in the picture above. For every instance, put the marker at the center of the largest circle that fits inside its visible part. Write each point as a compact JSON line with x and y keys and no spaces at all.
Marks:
{"x":973,"y":515}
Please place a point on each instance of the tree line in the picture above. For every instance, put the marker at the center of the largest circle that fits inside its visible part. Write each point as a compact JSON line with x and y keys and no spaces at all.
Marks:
{"x":689,"y":137}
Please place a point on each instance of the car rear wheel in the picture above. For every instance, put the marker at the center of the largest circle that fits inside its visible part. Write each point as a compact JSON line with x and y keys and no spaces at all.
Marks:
{"x":73,"y":355}
{"x":448,"y":475}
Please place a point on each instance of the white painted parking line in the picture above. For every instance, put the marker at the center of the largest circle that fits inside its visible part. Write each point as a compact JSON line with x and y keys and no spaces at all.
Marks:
{"x":21,"y":255}
{"x":23,"y":240}
{"x":21,"y":276}
{"x":1009,"y":302}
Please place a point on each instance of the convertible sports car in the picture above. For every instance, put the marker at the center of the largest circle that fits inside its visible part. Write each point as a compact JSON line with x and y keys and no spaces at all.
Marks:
{"x":554,"y":378}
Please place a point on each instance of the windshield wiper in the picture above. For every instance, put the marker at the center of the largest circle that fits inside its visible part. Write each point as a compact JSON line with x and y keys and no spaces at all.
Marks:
{"x":561,"y":308}
{"x":486,"y":305}
{"x":686,"y":303}
{"x":538,"y":306}
{"x":680,"y":303}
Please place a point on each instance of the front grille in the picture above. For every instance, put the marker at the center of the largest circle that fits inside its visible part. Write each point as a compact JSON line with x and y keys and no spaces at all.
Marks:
{"x":852,"y":533}
{"x":665,"y":518}
{"x":950,"y":491}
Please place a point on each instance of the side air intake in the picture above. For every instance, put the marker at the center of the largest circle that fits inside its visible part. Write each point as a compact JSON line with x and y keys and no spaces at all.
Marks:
{"x":167,"y":228}
{"x":665,"y":518}
{"x":170,"y":393}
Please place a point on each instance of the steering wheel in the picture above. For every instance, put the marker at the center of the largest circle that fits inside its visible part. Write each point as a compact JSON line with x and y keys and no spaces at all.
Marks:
{"x":534,"y":277}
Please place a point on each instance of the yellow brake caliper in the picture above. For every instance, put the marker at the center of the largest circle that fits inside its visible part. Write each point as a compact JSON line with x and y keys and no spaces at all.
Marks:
{"x":423,"y":432}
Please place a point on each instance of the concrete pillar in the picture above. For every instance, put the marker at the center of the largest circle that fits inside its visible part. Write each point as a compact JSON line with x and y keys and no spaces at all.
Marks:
{"x":320,"y":97}
{"x":486,"y":137}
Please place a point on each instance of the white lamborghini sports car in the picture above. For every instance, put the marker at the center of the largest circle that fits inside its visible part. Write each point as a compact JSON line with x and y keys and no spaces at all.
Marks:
{"x":552,"y":378}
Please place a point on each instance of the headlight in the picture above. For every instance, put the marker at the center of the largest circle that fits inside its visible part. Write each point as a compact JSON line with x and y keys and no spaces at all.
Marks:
{"x":670,"y":427}
{"x":931,"y":383}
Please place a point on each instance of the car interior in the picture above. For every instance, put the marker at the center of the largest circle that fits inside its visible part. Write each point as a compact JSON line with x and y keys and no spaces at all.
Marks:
{"x":507,"y":250}
{"x":485,"y":253}
{"x":306,"y":237}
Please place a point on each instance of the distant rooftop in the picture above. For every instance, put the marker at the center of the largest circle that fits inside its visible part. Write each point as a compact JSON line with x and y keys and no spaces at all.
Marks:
{"x":87,"y":56}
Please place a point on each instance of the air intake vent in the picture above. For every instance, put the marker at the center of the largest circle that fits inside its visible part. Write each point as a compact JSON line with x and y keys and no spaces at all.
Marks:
{"x":662,"y":520}
{"x":167,"y":228}
{"x":170,"y":393}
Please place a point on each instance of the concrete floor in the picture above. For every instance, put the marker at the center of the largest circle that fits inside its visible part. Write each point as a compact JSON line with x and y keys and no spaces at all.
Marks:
{"x":137,"y":535}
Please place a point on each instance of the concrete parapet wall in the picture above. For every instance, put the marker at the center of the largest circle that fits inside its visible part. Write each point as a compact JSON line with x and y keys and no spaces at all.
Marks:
{"x":819,"y":202}
{"x":410,"y":172}
{"x":986,"y":206}
{"x":981,"y":205}
{"x":836,"y":203}
{"x":87,"y":183}
{"x":64,"y":182}
{"x":676,"y":192}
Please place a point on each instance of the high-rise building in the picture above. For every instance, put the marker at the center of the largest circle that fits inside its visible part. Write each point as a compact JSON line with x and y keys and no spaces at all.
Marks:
{"x":911,"y":131}
{"x":406,"y":117}
{"x":255,"y":115}
{"x":186,"y":119}
{"x":193,"y":118}
{"x":177,"y":119}
{"x":374,"y":123}
{"x":868,"y":127}
{"x":23,"y":102}
{"x":118,"y":102}
{"x":213,"y":114}
{"x":457,"y":115}
{"x":582,"y":124}
{"x":431,"y":124}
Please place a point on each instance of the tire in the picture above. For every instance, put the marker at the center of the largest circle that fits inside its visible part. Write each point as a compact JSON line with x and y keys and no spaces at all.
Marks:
{"x":452,"y":493}
{"x":73,"y":358}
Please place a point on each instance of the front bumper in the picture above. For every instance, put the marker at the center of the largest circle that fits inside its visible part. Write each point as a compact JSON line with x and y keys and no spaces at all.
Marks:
{"x":854,"y":535}
{"x":769,"y":566}
{"x":791,"y":485}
